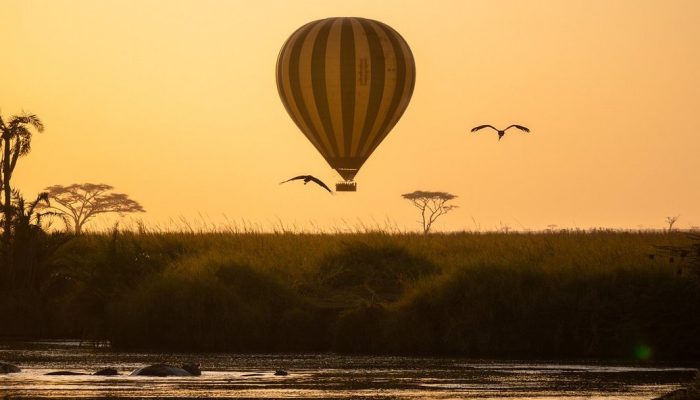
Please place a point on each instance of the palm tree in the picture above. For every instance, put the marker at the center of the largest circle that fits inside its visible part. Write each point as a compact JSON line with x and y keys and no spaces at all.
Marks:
{"x":15,"y":139}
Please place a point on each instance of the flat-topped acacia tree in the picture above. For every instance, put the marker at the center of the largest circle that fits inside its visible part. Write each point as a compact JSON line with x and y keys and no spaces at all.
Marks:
{"x":432,"y":205}
{"x":80,"y":202}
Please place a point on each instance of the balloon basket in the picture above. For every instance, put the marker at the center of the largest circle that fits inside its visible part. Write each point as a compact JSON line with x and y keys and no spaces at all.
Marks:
{"x":347,"y":186}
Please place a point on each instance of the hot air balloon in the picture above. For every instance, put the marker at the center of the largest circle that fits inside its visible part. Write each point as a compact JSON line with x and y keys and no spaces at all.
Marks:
{"x":345,"y":82}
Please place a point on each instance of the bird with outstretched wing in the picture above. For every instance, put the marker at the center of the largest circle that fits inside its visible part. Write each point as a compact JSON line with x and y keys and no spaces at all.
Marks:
{"x":501,"y":132}
{"x":307,"y":179}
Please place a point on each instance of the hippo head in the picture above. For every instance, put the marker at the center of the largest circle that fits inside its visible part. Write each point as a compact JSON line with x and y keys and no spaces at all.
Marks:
{"x":192,"y":368}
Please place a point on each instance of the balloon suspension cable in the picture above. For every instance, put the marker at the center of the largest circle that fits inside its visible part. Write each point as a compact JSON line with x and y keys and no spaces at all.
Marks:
{"x":346,"y":186}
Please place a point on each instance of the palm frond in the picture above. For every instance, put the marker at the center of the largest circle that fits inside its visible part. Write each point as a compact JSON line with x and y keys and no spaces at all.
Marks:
{"x":25,"y":146}
{"x":24,"y":119}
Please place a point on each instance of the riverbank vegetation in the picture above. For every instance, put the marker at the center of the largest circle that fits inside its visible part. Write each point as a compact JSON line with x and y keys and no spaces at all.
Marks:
{"x":546,"y":295}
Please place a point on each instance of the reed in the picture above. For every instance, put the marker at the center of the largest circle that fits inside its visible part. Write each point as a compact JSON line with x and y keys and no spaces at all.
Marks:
{"x":563,"y":294}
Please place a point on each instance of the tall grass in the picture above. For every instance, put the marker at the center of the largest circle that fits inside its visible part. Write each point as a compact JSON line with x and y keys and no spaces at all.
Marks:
{"x":565,"y":294}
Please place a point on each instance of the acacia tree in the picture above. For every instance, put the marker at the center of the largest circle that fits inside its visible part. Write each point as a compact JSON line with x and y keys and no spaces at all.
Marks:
{"x":670,"y":221}
{"x":76,"y":204}
{"x":432,"y":205}
{"x":15,"y":140}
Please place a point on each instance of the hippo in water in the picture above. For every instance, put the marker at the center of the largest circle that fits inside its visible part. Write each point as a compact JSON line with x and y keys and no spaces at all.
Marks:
{"x":9,"y":368}
{"x":188,"y":369}
{"x":65,"y":373}
{"x":107,"y":372}
{"x":102,"y":372}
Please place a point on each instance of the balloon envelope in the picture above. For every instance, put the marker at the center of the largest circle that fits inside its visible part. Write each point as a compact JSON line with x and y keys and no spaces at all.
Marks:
{"x":345,"y":82}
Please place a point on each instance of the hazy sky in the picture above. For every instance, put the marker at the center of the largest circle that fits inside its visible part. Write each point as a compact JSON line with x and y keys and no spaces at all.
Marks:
{"x":175,"y":103}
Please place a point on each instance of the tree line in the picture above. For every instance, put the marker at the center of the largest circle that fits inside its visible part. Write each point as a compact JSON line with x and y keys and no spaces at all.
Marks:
{"x":25,"y":240}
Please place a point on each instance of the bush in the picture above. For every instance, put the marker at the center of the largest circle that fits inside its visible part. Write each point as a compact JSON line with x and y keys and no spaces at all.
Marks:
{"x":205,"y":304}
{"x":530,"y":312}
{"x":372,"y":273}
{"x":359,"y":330}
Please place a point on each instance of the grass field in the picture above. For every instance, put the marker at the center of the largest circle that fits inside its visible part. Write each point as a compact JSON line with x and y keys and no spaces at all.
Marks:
{"x":548,"y":295}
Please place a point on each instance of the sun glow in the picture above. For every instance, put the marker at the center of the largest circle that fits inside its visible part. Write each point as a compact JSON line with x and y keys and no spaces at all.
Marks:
{"x":175,"y":104}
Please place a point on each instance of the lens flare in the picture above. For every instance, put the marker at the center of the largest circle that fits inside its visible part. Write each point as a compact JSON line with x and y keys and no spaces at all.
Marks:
{"x":642,"y":352}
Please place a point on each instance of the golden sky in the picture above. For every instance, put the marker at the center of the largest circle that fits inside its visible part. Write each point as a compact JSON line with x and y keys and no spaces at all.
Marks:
{"x":175,"y":103}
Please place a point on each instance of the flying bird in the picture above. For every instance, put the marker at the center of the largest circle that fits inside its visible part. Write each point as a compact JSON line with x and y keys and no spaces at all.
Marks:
{"x":309,"y":178}
{"x":500,"y":132}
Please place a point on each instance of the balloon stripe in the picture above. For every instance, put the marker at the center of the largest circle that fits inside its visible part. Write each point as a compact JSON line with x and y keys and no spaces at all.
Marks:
{"x":285,"y":81}
{"x":318,"y":84}
{"x":307,"y":94}
{"x":409,"y":84}
{"x":279,"y":75}
{"x":377,"y":74}
{"x":398,"y":89}
{"x":283,"y":85}
{"x":370,"y":79}
{"x":332,"y":81}
{"x":347,"y":82}
{"x":296,"y":89}
{"x":388,"y":88}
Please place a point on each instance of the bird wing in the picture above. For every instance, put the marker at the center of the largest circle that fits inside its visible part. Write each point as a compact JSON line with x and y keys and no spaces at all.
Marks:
{"x":476,"y":128}
{"x":522,"y":128}
{"x":320,"y":183}
{"x":295,"y":178}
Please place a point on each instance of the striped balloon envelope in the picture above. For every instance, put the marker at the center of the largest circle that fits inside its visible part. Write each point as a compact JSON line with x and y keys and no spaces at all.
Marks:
{"x":345,"y":82}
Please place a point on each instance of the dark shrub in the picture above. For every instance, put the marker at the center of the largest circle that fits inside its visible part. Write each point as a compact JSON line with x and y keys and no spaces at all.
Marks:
{"x":531,"y":312}
{"x":218,"y":305}
{"x":372,"y":273}
{"x":359,"y":330}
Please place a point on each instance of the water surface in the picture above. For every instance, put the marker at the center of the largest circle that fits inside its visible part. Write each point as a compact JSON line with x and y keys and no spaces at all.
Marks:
{"x":315,"y":376}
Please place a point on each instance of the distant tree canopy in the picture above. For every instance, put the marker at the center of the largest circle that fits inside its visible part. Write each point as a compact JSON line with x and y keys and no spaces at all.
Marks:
{"x":15,"y":142}
{"x":432,"y":205}
{"x":76,"y":204}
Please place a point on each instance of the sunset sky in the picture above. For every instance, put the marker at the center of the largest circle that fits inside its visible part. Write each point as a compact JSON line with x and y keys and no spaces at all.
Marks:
{"x":175,"y":103}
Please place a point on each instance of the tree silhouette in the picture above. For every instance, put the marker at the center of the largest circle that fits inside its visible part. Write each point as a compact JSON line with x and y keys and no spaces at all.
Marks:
{"x":670,"y":221}
{"x":26,"y":241}
{"x":15,"y":140}
{"x":76,"y":204}
{"x":432,"y":205}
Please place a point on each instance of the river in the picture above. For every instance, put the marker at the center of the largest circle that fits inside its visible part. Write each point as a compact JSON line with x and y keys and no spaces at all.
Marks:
{"x":315,"y":376}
